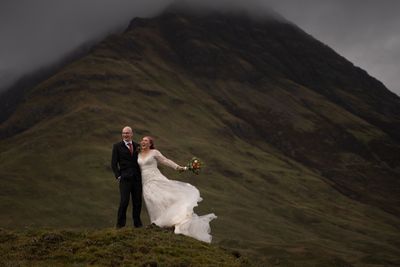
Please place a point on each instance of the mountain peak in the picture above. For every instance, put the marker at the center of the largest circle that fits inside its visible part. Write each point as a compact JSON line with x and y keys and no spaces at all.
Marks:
{"x":201,"y":13}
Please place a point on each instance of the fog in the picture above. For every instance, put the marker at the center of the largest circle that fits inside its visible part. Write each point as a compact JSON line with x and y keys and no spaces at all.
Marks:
{"x":36,"y":33}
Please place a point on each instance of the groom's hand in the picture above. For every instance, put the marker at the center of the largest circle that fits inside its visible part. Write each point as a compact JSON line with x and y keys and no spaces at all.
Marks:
{"x":119,"y":178}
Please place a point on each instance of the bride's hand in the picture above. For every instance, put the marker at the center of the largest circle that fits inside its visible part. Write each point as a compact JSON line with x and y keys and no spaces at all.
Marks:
{"x":181,"y":169}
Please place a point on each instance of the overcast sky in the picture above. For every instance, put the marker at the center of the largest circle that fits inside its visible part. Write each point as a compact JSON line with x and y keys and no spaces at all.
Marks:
{"x":36,"y":33}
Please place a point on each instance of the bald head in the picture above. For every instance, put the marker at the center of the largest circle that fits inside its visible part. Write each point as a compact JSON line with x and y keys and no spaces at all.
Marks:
{"x":127,"y":133}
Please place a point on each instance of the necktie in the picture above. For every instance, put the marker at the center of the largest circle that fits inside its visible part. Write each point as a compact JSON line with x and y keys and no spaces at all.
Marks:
{"x":130,"y":148}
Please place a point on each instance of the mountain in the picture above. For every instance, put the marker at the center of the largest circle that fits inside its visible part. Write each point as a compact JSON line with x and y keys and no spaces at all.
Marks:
{"x":12,"y":92}
{"x":301,"y":147}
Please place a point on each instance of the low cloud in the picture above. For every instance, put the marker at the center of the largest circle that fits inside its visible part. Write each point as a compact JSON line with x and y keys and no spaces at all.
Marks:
{"x":37,"y":33}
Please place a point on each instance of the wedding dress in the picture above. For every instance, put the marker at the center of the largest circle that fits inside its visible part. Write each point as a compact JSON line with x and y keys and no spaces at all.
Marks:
{"x":169,"y":202}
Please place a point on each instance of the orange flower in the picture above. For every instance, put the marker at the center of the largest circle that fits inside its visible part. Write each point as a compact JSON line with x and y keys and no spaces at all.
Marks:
{"x":195,"y":165}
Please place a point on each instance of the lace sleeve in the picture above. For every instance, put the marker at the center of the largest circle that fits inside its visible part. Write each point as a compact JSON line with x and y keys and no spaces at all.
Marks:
{"x":163,"y":160}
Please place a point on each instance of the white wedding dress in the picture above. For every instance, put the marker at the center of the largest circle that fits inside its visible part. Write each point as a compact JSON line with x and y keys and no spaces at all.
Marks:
{"x":169,"y":202}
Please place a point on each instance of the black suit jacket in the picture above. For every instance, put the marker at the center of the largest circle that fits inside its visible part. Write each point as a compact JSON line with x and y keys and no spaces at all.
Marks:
{"x":123,"y":163}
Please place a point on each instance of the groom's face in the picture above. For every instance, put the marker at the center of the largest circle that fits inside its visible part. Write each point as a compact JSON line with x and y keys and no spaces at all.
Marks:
{"x":127,"y":134}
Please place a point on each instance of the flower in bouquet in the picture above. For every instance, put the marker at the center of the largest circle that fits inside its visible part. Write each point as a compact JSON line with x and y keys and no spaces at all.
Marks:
{"x":195,"y":165}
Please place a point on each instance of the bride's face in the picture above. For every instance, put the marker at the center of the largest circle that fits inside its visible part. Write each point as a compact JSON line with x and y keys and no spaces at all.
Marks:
{"x":145,"y":143}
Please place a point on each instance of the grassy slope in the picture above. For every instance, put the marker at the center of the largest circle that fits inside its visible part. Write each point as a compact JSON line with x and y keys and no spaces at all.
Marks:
{"x":109,"y":247}
{"x":56,"y":173}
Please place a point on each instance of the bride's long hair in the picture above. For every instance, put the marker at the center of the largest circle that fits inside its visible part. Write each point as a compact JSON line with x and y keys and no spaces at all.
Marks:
{"x":151,"y":140}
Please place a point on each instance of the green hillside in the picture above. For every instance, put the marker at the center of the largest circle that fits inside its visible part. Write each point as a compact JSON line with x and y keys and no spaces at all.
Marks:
{"x":143,"y":247}
{"x":299,"y":171}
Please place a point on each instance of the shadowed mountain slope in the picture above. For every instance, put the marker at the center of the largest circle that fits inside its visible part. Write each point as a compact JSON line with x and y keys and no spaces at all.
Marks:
{"x":301,"y":147}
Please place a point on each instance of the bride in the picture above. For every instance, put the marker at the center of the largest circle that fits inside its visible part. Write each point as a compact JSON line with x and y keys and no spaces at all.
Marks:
{"x":170,"y":203}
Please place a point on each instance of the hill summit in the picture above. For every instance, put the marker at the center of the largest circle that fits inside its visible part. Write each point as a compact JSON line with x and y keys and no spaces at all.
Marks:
{"x":301,"y":146}
{"x":109,"y":247}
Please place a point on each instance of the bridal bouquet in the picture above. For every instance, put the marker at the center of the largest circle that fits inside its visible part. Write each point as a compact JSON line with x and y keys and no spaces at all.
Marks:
{"x":194,"y":165}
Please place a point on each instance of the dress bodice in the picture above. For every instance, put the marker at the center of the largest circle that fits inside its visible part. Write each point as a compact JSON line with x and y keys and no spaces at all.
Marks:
{"x":148,"y":164}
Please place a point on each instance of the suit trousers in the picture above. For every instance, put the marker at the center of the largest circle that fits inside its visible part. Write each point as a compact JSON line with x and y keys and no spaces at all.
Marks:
{"x":130,"y":187}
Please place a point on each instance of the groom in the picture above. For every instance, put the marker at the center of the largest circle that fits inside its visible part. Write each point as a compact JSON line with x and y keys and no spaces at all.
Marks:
{"x":127,"y":172}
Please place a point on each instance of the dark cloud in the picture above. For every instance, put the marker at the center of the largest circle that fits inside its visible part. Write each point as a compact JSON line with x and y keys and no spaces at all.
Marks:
{"x":35,"y":33}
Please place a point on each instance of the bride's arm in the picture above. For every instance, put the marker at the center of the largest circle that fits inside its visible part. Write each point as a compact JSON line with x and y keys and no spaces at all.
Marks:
{"x":165,"y":161}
